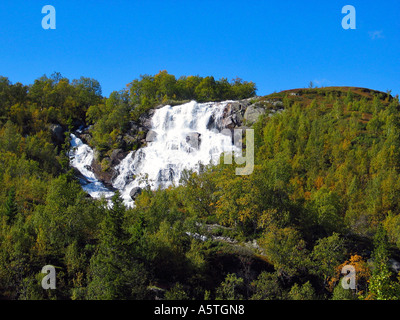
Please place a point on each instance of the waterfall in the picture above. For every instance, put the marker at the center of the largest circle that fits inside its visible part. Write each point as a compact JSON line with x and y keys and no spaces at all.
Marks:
{"x":181,"y":137}
{"x":185,"y":136}
{"x":81,"y":157}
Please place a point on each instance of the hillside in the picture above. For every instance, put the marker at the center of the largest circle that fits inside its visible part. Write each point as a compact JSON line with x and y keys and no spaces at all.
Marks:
{"x":324,"y":193}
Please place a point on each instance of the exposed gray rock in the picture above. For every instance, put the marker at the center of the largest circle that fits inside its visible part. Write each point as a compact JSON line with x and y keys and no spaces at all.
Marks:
{"x":135,"y":192}
{"x":116,"y":156}
{"x":151,"y":136}
{"x":394,"y":265}
{"x":105,"y":176}
{"x":83,"y":180}
{"x":167,"y":174}
{"x":277,"y":103}
{"x":233,"y":114}
{"x":237,"y":138}
{"x":227,"y":132}
{"x":252,"y":113}
{"x":57,"y":133}
{"x":193,"y":139}
{"x":133,"y":126}
{"x":212,"y":123}
{"x":85,"y":137}
{"x":96,"y":154}
{"x":129,"y":140}
{"x":145,"y":119}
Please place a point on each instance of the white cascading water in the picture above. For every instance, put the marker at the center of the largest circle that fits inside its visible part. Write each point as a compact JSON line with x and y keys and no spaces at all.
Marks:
{"x":186,"y":135}
{"x":175,"y":147}
{"x":81,"y":157}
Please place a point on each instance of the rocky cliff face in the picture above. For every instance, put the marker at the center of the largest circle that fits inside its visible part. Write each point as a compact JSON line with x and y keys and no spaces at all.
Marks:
{"x":244,"y":113}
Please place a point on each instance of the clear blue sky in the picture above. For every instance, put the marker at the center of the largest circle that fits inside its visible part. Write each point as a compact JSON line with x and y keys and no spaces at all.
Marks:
{"x":277,"y":44}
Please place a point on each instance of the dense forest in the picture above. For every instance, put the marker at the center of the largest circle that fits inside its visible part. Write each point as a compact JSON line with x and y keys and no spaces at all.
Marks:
{"x":325,"y":192}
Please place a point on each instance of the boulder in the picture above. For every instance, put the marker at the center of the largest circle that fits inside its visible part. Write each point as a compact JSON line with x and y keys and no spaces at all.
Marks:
{"x":116,"y":156}
{"x":129,"y":141}
{"x":394,"y":265}
{"x":105,"y":176}
{"x":133,"y":126}
{"x":212,"y":123}
{"x":233,"y":115}
{"x":83,"y":180}
{"x":151,"y":136}
{"x":145,"y":119}
{"x":85,"y":137}
{"x":277,"y":104}
{"x":193,"y":139}
{"x":57,"y":133}
{"x":252,"y":113}
{"x":166,"y":174}
{"x":135,"y":192}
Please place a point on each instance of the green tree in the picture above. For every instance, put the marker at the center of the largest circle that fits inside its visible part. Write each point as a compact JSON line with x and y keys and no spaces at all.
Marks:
{"x":286,"y":249}
{"x":268,"y":286}
{"x":302,"y":292}
{"x":326,"y":255}
{"x":206,"y":89}
{"x":114,"y":271}
{"x":10,"y":206}
{"x":382,"y":286}
{"x":230,"y":288}
{"x":339,"y":293}
{"x":177,"y":292}
{"x":165,"y":84}
{"x":328,"y":210}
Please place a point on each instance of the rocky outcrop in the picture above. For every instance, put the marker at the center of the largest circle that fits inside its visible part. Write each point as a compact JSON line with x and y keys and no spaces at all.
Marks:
{"x":253,"y":112}
{"x":145,"y":119}
{"x":245,"y":112}
{"x":394,"y":265}
{"x":233,"y":114}
{"x":85,"y":137}
{"x":105,"y":170}
{"x":232,"y":117}
{"x":57,"y":133}
{"x":193,"y":139}
{"x":105,"y":176}
{"x":135,"y":192}
{"x":134,"y":137}
{"x":151,"y":136}
{"x":117,"y":156}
